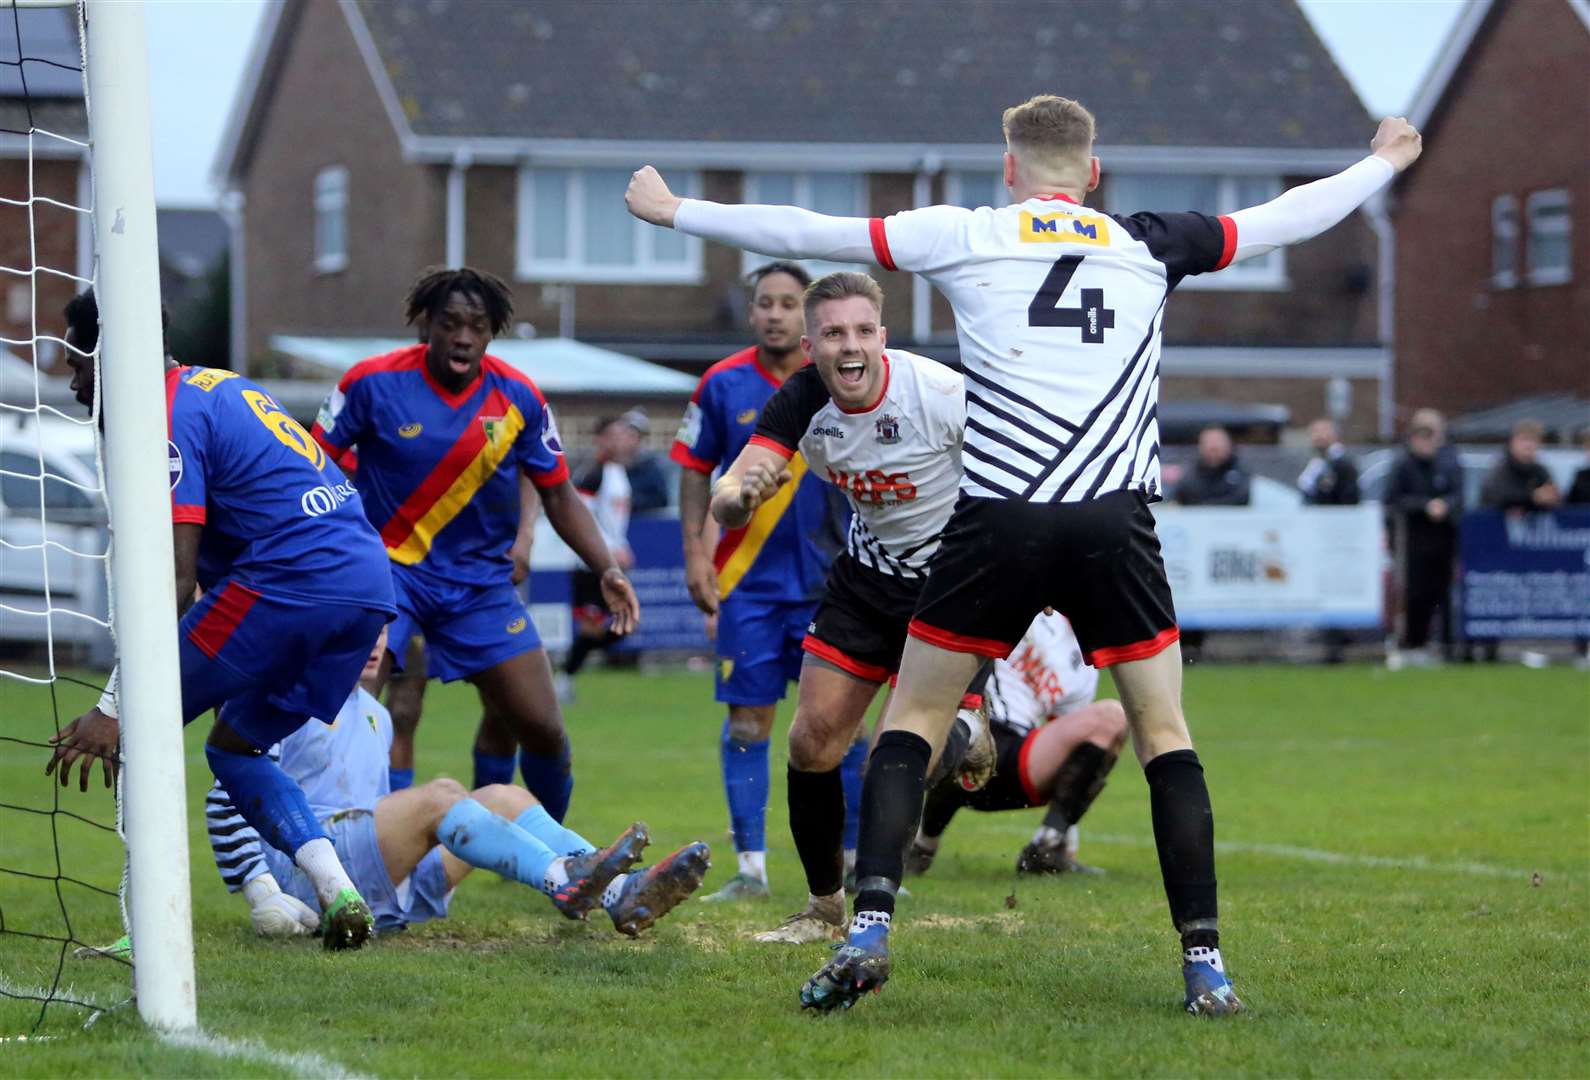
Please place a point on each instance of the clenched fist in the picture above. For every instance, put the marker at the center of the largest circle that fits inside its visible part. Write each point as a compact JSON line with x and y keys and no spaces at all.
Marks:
{"x":1397,"y":141}
{"x":649,"y":199}
{"x":759,"y":483}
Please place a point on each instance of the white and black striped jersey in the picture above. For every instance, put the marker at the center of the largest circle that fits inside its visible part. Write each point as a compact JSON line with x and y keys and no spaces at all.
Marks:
{"x":1044,"y":677}
{"x":1059,"y":311}
{"x":899,"y":461}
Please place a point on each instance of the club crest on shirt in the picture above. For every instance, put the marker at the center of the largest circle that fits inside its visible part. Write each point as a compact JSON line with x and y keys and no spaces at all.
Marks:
{"x":493,"y":426}
{"x":409,"y":431}
{"x":746,"y":416}
{"x":517,"y":625}
{"x":369,"y":718}
{"x":888,"y":429}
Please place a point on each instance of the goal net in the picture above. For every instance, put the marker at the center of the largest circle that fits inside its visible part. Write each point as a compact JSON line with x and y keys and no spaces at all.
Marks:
{"x":64,"y":900}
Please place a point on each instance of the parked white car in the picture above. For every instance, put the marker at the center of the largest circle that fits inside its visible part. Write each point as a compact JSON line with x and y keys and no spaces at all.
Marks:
{"x":52,"y":582}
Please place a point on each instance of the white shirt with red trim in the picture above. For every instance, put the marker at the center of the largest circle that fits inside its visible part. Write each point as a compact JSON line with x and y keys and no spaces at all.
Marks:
{"x":1059,"y":311}
{"x":1045,"y":677}
{"x":898,"y":461}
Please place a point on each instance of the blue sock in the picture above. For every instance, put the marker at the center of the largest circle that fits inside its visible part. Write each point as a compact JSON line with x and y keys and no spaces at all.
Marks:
{"x":492,"y":769}
{"x":550,"y":779}
{"x":850,"y":772}
{"x":267,"y":798}
{"x":484,"y":840}
{"x":398,"y":779}
{"x":539,"y":824}
{"x":745,"y":783}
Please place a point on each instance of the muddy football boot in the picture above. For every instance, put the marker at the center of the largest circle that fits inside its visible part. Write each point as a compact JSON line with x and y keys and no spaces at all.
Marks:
{"x":347,"y":923}
{"x":739,"y":887}
{"x":823,"y":919}
{"x":651,"y":893}
{"x":858,"y":966}
{"x":1209,"y":992}
{"x":589,"y":874}
{"x":1039,"y":859}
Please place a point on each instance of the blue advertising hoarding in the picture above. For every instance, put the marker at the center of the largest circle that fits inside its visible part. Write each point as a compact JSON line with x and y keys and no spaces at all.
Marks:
{"x":1526,"y":575}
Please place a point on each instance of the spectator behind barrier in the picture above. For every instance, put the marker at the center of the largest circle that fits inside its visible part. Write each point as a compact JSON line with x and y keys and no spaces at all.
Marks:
{"x":1217,"y":479}
{"x":1331,"y":477}
{"x":1579,"y":490}
{"x":648,"y":486}
{"x":1424,"y":499}
{"x":1518,"y":483}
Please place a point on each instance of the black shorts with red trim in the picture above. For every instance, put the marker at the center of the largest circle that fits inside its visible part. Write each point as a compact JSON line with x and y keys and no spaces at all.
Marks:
{"x":860,"y":625}
{"x":1010,"y":788}
{"x":1001,"y":561}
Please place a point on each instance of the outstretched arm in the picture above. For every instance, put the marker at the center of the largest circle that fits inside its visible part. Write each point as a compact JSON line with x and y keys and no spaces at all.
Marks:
{"x":785,"y":232}
{"x":1306,"y":211}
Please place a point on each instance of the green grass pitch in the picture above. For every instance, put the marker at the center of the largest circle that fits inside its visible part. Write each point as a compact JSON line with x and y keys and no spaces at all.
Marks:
{"x":1378,"y":835}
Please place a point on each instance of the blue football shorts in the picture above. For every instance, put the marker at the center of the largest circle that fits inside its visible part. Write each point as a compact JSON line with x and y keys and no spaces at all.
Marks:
{"x":269,"y":663}
{"x":467,"y":628}
{"x":759,"y":648}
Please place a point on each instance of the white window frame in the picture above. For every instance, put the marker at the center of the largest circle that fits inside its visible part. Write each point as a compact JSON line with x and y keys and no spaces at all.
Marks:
{"x":574,"y":268}
{"x":1552,"y":198}
{"x":750,"y":192}
{"x":330,"y":198}
{"x":1504,"y":228}
{"x":1266,"y":275}
{"x":954,"y":188}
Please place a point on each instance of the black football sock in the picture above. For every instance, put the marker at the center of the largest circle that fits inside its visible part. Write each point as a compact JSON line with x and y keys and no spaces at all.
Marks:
{"x":891,"y":806}
{"x":1184,"y":832}
{"x":579,"y":652}
{"x":1077,"y":783}
{"x":817,"y":822}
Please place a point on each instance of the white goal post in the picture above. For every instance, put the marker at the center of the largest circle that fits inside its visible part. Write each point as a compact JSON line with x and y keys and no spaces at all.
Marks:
{"x":132,"y":396}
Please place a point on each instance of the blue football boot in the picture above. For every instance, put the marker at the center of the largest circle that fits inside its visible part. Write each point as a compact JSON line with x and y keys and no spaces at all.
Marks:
{"x":1209,"y":992}
{"x":859,"y":965}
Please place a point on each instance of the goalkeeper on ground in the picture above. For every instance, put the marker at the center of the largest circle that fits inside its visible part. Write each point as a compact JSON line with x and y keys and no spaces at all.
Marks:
{"x":407,"y":850}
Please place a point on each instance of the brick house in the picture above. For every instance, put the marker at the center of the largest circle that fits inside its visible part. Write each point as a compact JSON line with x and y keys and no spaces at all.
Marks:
{"x":372,"y":138}
{"x":53,"y":237}
{"x":1493,"y":222}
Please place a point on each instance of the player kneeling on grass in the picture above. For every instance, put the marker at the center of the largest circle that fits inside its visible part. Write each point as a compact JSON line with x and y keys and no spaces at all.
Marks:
{"x":1056,"y":745}
{"x":407,"y":850}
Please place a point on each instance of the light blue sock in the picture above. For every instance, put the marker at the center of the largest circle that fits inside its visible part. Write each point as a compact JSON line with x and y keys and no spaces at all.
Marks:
{"x":745,"y":783}
{"x":539,"y":824}
{"x":484,"y":840}
{"x":267,"y":798}
{"x":398,"y":779}
{"x":492,"y":769}
{"x":851,"y":768}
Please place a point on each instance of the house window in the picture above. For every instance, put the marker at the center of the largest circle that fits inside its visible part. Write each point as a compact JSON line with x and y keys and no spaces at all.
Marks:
{"x":1127,"y":193}
{"x":1550,"y":237}
{"x":838,"y":194}
{"x":974,"y":189}
{"x":1504,"y":242}
{"x":572,"y":226}
{"x":331,"y":219}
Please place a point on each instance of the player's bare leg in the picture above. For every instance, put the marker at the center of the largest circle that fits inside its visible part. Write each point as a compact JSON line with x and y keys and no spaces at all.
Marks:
{"x":519,"y":690}
{"x":911,"y":736}
{"x":746,"y":732}
{"x":829,"y":711}
{"x":1184,"y":830}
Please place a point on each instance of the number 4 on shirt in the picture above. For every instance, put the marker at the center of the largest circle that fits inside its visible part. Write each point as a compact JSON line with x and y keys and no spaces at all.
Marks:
{"x":1091,"y":316}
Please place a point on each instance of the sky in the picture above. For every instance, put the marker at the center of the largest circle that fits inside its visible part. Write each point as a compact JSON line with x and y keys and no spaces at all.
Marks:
{"x":198,"y":50}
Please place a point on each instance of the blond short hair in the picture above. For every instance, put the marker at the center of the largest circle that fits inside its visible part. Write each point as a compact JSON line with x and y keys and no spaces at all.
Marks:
{"x":839,"y":286}
{"x":1052,"y":132}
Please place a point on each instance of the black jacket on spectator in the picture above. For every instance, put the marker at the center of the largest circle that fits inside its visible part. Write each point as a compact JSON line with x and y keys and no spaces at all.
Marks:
{"x":1330,"y":480}
{"x":1415,"y":481}
{"x":1510,"y":485}
{"x":648,"y":488}
{"x":1579,"y":493}
{"x":1223,"y":485}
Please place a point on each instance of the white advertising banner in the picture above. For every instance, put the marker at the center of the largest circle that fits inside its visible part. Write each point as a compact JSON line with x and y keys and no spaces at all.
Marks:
{"x":1236,"y":568}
